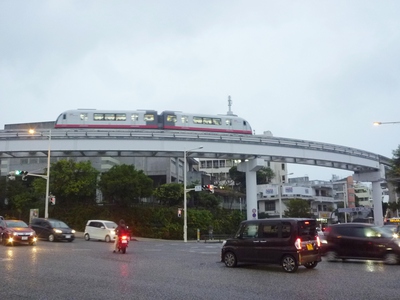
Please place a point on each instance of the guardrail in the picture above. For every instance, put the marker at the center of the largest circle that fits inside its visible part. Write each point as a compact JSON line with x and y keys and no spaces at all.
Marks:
{"x":215,"y":237}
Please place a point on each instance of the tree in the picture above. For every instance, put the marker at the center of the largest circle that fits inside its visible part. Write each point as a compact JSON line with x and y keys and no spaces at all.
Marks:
{"x":71,"y":182}
{"x":123,"y":185}
{"x":265,"y":175}
{"x":170,"y":194}
{"x":298,"y":208}
{"x":394,"y":172}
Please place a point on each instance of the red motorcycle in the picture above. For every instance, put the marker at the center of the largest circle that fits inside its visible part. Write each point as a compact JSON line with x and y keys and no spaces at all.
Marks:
{"x":123,"y":242}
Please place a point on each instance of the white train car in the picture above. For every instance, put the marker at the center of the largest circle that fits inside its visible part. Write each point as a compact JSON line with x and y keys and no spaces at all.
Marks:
{"x":149,"y":119}
{"x":108,"y":119}
{"x":174,"y":120}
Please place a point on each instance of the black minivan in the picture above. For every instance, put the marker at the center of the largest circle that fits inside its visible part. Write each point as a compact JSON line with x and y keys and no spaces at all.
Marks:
{"x":289,"y":242}
{"x":52,"y":230}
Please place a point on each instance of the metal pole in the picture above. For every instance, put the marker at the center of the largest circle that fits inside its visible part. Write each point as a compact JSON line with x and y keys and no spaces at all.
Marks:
{"x":46,"y":201}
{"x":184,"y":193}
{"x":184,"y":199}
{"x":345,"y":200}
{"x":280,"y":197}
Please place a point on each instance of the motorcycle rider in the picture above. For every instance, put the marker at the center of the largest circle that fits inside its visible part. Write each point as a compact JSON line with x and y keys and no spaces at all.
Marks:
{"x":120,"y":231}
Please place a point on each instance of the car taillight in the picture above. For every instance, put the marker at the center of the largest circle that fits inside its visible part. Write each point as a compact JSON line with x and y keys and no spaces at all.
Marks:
{"x":318,"y":241}
{"x":297,"y":244}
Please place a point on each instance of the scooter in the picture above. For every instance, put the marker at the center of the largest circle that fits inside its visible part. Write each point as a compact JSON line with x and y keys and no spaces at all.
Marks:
{"x":123,"y":242}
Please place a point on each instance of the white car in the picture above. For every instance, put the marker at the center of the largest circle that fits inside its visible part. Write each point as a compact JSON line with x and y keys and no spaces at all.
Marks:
{"x":100,"y":230}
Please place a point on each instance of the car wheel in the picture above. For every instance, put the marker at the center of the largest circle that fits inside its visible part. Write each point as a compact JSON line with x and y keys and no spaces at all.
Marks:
{"x":311,"y":265}
{"x":230,"y":260}
{"x":51,"y":238}
{"x":391,"y":259}
{"x":289,"y":264}
{"x":108,"y":239}
{"x":331,"y":255}
{"x":87,"y":237}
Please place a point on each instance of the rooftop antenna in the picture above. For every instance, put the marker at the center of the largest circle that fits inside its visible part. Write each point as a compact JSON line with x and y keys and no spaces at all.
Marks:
{"x":229,"y":106}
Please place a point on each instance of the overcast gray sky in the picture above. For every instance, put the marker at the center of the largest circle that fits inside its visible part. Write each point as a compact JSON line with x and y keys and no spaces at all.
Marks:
{"x":313,"y":70}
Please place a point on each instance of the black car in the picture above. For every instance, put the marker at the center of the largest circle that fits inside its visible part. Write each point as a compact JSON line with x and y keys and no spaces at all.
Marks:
{"x":289,"y":242}
{"x":52,"y":230}
{"x":360,"y":241}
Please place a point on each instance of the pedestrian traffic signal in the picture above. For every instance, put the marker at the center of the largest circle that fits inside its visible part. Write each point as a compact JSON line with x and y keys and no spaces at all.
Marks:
{"x":179,"y":212}
{"x":52,"y":200}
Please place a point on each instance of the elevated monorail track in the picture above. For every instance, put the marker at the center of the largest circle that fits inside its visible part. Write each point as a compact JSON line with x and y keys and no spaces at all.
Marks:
{"x":164,"y":143}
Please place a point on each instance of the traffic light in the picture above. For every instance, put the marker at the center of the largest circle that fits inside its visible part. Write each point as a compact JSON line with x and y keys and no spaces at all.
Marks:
{"x":52,"y":200}
{"x":179,"y":212}
{"x":24,"y":175}
{"x":17,"y":172}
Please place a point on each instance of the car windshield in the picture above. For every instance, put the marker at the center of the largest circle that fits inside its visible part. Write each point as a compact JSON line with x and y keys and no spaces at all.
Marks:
{"x":58,"y":224}
{"x":110,"y":224}
{"x":15,"y":224}
{"x":384,"y":231}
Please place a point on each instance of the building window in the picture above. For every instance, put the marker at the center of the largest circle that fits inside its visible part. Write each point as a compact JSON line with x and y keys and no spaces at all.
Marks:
{"x":270,"y":206}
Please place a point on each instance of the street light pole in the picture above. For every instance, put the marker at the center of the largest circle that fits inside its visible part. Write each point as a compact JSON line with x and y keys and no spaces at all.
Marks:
{"x":47,"y":176}
{"x":184,"y":193}
{"x":280,"y":194}
{"x":382,"y":123}
{"x":46,"y":208}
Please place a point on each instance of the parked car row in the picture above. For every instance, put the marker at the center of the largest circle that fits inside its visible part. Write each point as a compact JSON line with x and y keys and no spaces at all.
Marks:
{"x":17,"y":231}
{"x":298,"y":242}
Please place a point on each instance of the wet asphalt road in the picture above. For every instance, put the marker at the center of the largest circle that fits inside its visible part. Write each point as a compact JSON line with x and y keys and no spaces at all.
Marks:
{"x":154,"y":269}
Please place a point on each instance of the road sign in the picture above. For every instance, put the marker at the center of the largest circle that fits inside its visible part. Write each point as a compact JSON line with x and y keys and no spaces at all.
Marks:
{"x":198,"y":188}
{"x":353,"y":209}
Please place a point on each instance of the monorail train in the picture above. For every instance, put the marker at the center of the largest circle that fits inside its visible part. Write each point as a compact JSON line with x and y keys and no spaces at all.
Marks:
{"x":150,"y":119}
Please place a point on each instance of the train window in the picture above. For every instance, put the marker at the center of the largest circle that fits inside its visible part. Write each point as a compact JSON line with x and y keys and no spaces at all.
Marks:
{"x":207,"y":121}
{"x":109,"y":117}
{"x":216,"y":121}
{"x":98,"y":117}
{"x":120,"y":117}
{"x":135,"y":117}
{"x":228,"y":122}
{"x":184,"y":119}
{"x":149,"y":117}
{"x":197,"y":120}
{"x":84,"y":117}
{"x":171,"y":118}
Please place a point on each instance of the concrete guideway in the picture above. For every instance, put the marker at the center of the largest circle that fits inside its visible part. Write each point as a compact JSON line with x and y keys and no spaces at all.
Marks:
{"x":254,"y":149}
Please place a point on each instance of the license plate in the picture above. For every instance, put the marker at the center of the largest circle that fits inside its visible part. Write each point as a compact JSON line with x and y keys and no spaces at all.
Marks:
{"x":24,"y":238}
{"x":67,"y":236}
{"x":124,"y":242}
{"x":310,"y":247}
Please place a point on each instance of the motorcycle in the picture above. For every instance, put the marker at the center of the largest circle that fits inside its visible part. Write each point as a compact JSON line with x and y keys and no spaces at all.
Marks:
{"x":123,"y":242}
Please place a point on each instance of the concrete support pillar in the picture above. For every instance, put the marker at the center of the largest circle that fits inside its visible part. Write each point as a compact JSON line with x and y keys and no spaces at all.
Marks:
{"x":377,"y":200}
{"x":251,"y":167}
{"x":376,"y":177}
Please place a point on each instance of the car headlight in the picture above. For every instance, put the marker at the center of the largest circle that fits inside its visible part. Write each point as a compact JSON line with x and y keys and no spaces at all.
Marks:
{"x":57,"y":230}
{"x":73,"y":231}
{"x":112,"y":231}
{"x":15,"y":233}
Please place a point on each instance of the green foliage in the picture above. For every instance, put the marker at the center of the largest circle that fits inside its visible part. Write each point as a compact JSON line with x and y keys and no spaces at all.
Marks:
{"x":265,"y":175}
{"x":71,"y":182}
{"x":170,"y":194}
{"x":394,"y":172}
{"x":124,"y":185}
{"x":298,"y":208}
{"x":239,"y":178}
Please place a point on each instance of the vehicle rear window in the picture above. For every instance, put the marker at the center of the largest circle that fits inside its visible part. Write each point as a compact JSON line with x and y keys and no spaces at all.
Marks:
{"x":307,"y":229}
